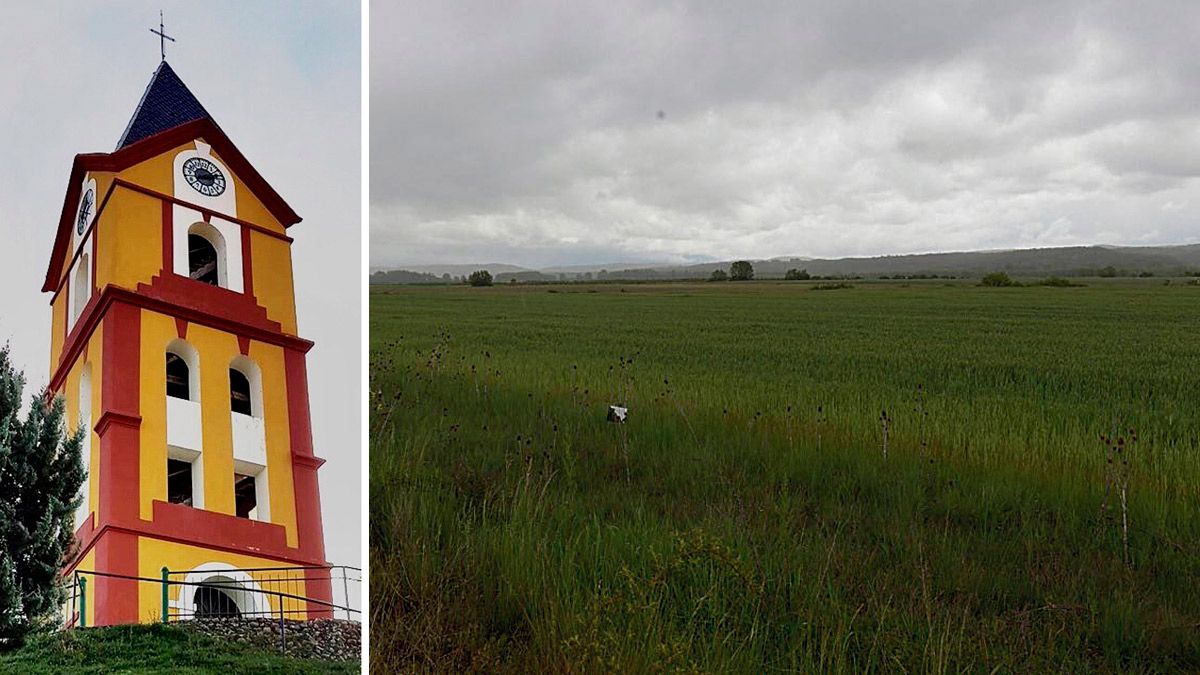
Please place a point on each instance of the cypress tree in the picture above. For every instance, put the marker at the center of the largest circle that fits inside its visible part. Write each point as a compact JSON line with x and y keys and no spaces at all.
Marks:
{"x":41,"y":472}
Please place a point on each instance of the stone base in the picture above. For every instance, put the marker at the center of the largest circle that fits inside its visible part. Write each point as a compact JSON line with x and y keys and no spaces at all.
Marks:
{"x":331,"y":639}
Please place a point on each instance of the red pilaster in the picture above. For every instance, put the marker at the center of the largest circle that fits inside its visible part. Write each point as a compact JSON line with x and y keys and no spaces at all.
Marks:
{"x":319,"y":586}
{"x":118,"y":428}
{"x":304,"y":474}
{"x":247,"y":263}
{"x":116,"y":600}
{"x":119,"y":420}
{"x":168,"y":237}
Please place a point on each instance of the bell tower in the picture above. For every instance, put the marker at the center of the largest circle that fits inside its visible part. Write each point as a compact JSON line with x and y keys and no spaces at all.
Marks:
{"x":174,"y":342}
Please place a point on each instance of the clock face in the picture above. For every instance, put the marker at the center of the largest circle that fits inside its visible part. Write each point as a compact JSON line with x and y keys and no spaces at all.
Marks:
{"x":204,"y":176}
{"x":85,"y":210}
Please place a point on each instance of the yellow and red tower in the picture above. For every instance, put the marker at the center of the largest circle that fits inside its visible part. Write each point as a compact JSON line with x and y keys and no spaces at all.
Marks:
{"x":175,"y":346}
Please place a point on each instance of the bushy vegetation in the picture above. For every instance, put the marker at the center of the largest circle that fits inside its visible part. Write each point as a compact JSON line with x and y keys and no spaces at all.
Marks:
{"x":480,"y":278}
{"x":997,"y":279}
{"x":741,"y":270}
{"x":796,"y":275}
{"x":41,"y":471}
{"x":746,"y":518}
{"x":152,"y":648}
{"x":718,"y":275}
{"x":1059,"y":282}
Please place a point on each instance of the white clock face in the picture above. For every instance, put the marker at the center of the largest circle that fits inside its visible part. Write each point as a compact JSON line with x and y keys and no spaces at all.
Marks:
{"x":86,"y":204}
{"x":204,"y":176}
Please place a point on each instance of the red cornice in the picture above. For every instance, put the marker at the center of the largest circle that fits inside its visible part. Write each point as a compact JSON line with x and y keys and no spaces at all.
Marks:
{"x":98,"y":306}
{"x":307,"y":460}
{"x":244,"y":537}
{"x":110,"y":418}
{"x":150,"y":147}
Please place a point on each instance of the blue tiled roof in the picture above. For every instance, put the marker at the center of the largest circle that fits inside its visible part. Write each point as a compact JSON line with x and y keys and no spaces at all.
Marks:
{"x":166,"y":103}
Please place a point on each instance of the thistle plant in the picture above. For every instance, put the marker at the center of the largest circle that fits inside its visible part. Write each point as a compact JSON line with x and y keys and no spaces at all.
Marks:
{"x":1116,"y":480}
{"x":787,"y":417}
{"x":820,"y":424}
{"x":885,"y":422}
{"x":922,"y":416}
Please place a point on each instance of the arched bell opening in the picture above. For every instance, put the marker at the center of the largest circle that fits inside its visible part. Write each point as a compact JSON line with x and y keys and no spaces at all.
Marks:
{"x":206,"y":255}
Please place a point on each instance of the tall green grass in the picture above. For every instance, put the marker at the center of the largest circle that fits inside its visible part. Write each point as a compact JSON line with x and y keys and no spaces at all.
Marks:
{"x":730,"y":526}
{"x":154,"y":648}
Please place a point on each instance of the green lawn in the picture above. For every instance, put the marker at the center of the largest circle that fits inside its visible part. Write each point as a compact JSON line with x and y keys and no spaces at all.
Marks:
{"x":745,"y":518}
{"x":152,"y":648}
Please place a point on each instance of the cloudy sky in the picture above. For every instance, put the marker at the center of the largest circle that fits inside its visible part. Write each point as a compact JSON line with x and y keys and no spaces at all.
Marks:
{"x":283,"y":80}
{"x":544,"y":133}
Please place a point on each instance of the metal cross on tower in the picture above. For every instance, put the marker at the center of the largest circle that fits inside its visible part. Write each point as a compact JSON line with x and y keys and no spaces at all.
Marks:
{"x":162,"y":37}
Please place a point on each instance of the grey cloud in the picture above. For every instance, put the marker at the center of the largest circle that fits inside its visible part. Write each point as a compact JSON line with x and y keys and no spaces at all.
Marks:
{"x":813,"y":128}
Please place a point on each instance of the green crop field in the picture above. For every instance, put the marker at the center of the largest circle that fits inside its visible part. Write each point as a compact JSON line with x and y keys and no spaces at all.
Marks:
{"x":746,"y":517}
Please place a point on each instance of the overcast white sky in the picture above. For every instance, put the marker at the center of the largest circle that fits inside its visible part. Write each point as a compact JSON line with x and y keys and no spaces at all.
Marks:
{"x":531,"y":133}
{"x":283,"y":79}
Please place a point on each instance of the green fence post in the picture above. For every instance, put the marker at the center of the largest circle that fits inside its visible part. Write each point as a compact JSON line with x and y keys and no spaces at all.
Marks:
{"x":83,"y":602}
{"x":165,"y":586}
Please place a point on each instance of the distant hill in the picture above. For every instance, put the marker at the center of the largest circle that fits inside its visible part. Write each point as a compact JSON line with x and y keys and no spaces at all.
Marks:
{"x":526,"y":276}
{"x":404,"y":277}
{"x":580,"y":269}
{"x":1034,"y":262}
{"x":1065,"y":261}
{"x":456,"y":270}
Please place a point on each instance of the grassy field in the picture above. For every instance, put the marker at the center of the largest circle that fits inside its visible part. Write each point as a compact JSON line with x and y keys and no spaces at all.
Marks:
{"x":746,"y":517}
{"x":152,"y":648}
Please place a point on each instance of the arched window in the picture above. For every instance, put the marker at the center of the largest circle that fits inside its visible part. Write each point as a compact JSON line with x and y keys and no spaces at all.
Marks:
{"x":206,"y":254}
{"x":179,"y":377}
{"x":85,"y":399}
{"x":85,"y":422}
{"x":183,"y":371}
{"x":245,"y":387}
{"x":82,"y":288}
{"x":239,"y":393}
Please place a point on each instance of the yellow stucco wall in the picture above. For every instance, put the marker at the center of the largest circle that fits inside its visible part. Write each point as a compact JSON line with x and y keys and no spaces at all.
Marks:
{"x":154,"y":554}
{"x":272,"y":269}
{"x":129,"y":240}
{"x":58,"y":322}
{"x":216,"y":349}
{"x":87,"y":563}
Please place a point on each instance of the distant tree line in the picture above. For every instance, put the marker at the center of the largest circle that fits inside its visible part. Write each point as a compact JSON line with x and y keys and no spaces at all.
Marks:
{"x":741,"y":270}
{"x":480,"y":278}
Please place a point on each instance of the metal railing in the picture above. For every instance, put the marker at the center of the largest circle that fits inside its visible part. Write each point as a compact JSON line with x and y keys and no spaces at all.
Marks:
{"x":266,"y":592}
{"x":247,"y":595}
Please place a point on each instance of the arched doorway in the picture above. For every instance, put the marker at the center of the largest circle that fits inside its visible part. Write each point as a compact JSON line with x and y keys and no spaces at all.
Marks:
{"x":219,"y":590}
{"x":213,"y":601}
